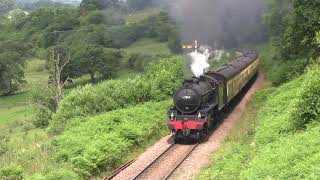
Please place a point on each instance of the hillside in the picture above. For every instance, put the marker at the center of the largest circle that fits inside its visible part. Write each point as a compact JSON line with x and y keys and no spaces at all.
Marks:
{"x":84,"y":89}
{"x":277,"y":137}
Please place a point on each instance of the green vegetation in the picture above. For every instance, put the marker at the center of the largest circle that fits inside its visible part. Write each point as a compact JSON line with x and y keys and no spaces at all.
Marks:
{"x":103,"y":142}
{"x":163,"y":78}
{"x":98,"y":126}
{"x":281,"y":141}
{"x":16,"y":107}
{"x":287,"y":21}
{"x":13,"y":107}
{"x":92,"y":35}
{"x":11,"y":64}
{"x":103,"y":41}
{"x":149,"y":47}
{"x":278,"y":137}
{"x":277,"y":70}
{"x":21,"y":141}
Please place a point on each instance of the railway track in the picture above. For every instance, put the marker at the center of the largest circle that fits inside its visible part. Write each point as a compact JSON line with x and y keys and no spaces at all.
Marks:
{"x":121,"y":168}
{"x":167,"y":162}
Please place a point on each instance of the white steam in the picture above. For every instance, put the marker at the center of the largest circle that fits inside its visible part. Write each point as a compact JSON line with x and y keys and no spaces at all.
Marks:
{"x":199,"y":63}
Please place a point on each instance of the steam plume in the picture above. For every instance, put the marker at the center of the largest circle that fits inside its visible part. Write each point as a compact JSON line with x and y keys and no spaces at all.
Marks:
{"x":199,"y":63}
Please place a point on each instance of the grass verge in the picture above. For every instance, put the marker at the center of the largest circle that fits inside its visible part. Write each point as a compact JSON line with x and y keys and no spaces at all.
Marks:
{"x":272,"y":145}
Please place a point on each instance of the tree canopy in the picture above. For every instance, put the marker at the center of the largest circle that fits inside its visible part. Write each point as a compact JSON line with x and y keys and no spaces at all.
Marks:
{"x":92,"y":34}
{"x":293,"y":25}
{"x":11,"y":66}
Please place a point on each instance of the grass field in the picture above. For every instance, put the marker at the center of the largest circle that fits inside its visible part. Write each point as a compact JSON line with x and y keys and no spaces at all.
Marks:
{"x":149,"y":47}
{"x":14,"y":107}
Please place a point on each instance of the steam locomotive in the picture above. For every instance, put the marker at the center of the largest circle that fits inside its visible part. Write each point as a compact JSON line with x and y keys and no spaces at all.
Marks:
{"x":199,"y":103}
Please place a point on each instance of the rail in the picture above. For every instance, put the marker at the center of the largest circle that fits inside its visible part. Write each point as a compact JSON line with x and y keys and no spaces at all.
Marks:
{"x":161,"y":155}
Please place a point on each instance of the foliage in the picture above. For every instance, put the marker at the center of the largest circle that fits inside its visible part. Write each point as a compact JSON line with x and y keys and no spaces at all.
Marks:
{"x":42,"y":97}
{"x":60,"y":174}
{"x":89,"y":38}
{"x":138,"y":61}
{"x":294,"y":156}
{"x":12,"y":172}
{"x":11,"y":64}
{"x":293,"y":25}
{"x":278,"y":70}
{"x":159,"y":83}
{"x":307,"y":108}
{"x":284,"y":143}
{"x":90,"y":59}
{"x":41,"y":4}
{"x":301,"y":34}
{"x":164,"y":77}
{"x":141,"y":61}
{"x":99,"y":4}
{"x":277,"y":19}
{"x":103,"y":141}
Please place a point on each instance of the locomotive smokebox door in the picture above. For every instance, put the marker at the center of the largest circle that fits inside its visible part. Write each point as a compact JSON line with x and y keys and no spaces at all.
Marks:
{"x":187,"y":100}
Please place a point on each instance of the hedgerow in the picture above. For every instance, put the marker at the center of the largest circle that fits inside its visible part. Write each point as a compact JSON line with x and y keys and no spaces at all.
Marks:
{"x":159,"y":83}
{"x":102,"y":142}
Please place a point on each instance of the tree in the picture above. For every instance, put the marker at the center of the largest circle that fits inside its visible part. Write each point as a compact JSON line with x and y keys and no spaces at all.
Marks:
{"x":293,"y":25}
{"x":57,"y":75}
{"x":300,"y":35}
{"x":11,"y":66}
{"x":94,"y":60}
{"x":277,"y":16}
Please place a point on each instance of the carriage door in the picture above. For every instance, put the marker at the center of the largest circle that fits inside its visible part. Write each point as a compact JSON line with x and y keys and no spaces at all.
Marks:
{"x":221,"y":95}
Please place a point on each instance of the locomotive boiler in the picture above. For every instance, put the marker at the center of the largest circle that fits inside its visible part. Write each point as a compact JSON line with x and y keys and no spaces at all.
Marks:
{"x":200,"y":102}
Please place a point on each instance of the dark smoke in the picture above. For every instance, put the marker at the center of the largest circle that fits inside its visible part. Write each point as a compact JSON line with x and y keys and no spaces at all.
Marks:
{"x":220,"y":23}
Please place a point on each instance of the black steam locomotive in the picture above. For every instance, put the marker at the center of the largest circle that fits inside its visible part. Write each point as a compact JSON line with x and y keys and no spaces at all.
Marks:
{"x":198,"y":104}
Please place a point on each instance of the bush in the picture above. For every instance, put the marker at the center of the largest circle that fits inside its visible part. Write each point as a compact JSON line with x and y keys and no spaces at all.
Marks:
{"x":307,"y":108}
{"x":286,"y":71}
{"x":42,"y":97}
{"x":159,"y":83}
{"x":11,"y":172}
{"x":165,"y":77}
{"x":280,"y":71}
{"x":42,"y":116}
{"x":104,"y":141}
